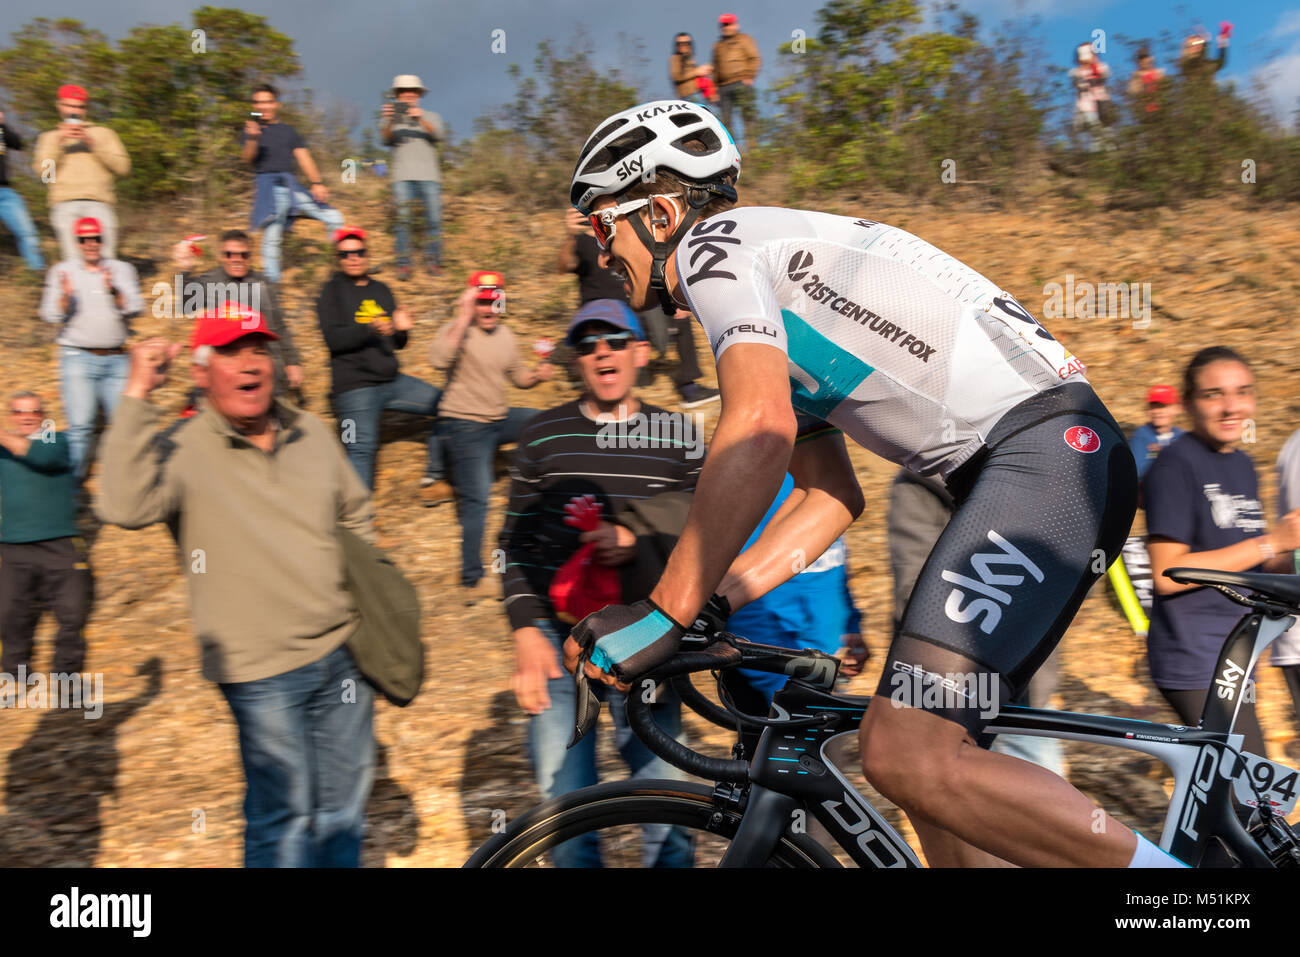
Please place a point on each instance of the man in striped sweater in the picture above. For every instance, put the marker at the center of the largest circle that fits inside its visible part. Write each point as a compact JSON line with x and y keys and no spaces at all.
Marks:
{"x":609,"y":445}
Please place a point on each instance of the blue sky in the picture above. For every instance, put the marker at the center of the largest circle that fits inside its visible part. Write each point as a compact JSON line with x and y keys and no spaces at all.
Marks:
{"x":350,"y":50}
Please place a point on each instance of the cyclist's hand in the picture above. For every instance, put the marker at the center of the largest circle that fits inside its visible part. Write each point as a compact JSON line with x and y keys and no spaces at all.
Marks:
{"x":712,"y":618}
{"x":855,"y":655}
{"x":535,"y":664}
{"x":625,"y":641}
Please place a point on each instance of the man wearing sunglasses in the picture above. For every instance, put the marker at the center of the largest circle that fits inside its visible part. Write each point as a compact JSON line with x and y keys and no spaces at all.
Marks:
{"x":478,"y":351}
{"x":364,"y":329}
{"x":233,"y":280}
{"x":91,"y":299}
{"x":565,"y":453}
{"x":919,"y":358}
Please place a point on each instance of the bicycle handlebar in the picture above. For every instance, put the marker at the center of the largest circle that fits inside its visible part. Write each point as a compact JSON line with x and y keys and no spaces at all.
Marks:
{"x":641,"y":720}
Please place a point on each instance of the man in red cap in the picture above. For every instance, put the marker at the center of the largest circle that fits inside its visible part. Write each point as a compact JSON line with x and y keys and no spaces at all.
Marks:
{"x":365,"y":329}
{"x":735,"y":67}
{"x":80,"y":161}
{"x":92,"y":299}
{"x":253,"y":489}
{"x":478,"y":352}
{"x":1151,"y":439}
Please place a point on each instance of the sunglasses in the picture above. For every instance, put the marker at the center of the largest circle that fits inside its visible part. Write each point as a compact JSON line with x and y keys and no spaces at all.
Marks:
{"x":604,"y":222}
{"x":242,"y":254}
{"x":87,"y":239}
{"x":27,"y":411}
{"x":349,"y":253}
{"x":618,"y":341}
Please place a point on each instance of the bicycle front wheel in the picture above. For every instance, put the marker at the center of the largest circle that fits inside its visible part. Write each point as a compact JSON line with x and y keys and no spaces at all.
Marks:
{"x":625,"y":824}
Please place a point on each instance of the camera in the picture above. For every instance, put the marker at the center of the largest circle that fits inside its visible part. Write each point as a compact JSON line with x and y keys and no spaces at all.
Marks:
{"x":73,"y":120}
{"x":400,"y":108}
{"x":256,"y":116}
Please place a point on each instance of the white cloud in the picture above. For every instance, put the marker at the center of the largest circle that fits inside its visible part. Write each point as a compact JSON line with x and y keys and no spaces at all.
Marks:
{"x":1287,"y":24}
{"x":1281,"y":81}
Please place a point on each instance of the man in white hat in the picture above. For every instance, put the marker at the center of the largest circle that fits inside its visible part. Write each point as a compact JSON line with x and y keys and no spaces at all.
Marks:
{"x":414,"y":135}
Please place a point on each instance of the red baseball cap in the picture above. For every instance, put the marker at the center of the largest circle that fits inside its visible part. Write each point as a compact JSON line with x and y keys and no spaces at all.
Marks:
{"x":486,"y":279}
{"x":727,"y":18}
{"x":1162,"y":395}
{"x":88,"y":226}
{"x":70,"y":91}
{"x":344,"y":232}
{"x":221,"y":327}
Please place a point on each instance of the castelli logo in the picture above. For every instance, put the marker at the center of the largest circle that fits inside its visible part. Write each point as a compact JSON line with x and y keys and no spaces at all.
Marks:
{"x":1082,"y":440}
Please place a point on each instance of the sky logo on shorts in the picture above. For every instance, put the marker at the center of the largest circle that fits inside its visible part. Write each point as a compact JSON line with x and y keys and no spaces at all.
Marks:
{"x":1082,"y":439}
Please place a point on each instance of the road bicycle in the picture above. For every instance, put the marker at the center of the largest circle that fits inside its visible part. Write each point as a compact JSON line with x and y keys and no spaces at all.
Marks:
{"x":755,"y":813}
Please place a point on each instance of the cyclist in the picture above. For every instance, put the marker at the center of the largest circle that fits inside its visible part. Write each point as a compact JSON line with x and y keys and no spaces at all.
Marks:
{"x":919,"y":358}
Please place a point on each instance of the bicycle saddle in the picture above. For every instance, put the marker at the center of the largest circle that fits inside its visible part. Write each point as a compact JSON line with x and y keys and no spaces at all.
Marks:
{"x":1283,"y":589}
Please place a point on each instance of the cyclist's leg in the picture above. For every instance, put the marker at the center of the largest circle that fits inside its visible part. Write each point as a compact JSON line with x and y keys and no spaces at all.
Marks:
{"x":1042,"y":522}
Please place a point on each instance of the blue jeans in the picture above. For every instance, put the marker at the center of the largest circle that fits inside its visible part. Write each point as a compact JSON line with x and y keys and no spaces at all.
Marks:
{"x":472,"y":447}
{"x":430,"y":194}
{"x":561,"y":769}
{"x":364,"y":408}
{"x":13,"y":213}
{"x":308,"y":749}
{"x":88,"y":383}
{"x":273,"y":232}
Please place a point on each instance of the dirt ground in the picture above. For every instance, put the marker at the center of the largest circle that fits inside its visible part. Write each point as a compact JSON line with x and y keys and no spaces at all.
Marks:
{"x":156,"y":780}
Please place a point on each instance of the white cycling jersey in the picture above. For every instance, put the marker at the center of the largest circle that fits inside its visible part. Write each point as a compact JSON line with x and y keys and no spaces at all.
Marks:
{"x":910,"y":352}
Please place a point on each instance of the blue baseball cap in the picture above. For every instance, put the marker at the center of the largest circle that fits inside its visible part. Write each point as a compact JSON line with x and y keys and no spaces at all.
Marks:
{"x":614,"y":312}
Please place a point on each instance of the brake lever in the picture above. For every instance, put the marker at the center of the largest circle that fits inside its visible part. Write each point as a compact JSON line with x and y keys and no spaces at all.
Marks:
{"x":587,"y":705}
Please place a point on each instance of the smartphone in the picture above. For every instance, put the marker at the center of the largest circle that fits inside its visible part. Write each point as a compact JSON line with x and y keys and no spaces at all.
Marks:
{"x":256,"y":116}
{"x":74,"y":121}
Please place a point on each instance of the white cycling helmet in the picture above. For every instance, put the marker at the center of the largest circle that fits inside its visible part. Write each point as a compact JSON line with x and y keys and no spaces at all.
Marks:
{"x":629,"y":146}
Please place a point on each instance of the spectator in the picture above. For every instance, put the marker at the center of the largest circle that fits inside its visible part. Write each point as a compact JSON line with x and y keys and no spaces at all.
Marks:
{"x":919,"y":509}
{"x":735,"y":67}
{"x":92,"y":299}
{"x":1286,"y":650}
{"x":80,"y":162}
{"x":364,"y":328}
{"x":478,"y":352}
{"x":13,"y":211}
{"x":234,"y":281}
{"x":43,"y":562}
{"x":414,"y":136}
{"x":257,"y":489}
{"x":271,"y":148}
{"x":582,"y":255}
{"x":1144,"y":85}
{"x":1093,"y":107}
{"x":1195,"y":58}
{"x":1151,"y":439}
{"x":562,"y":455}
{"x":691,"y":81}
{"x":1203,"y":511}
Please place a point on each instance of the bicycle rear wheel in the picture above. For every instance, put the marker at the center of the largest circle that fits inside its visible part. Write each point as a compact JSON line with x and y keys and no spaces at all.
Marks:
{"x":617,"y":810}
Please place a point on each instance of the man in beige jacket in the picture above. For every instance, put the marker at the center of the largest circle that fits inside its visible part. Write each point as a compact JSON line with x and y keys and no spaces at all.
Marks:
{"x":253,"y":490}
{"x":80,"y":161}
{"x":735,"y":67}
{"x":479,"y":352}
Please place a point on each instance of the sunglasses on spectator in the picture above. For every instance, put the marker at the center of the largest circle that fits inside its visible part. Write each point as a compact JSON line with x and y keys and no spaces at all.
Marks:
{"x":349,"y":253}
{"x":618,"y":341}
{"x":87,"y":239}
{"x":604,"y":221}
{"x":27,"y":411}
{"x":236,"y":254}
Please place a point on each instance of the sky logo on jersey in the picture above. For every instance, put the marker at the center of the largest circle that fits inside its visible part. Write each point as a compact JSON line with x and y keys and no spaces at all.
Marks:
{"x":704,"y":241}
{"x":1082,"y":439}
{"x":819,"y":292}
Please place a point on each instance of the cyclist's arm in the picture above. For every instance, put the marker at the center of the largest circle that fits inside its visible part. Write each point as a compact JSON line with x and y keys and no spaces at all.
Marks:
{"x":745,"y":468}
{"x":829,"y":499}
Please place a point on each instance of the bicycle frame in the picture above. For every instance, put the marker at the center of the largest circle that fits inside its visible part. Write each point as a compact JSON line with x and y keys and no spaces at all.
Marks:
{"x":792,"y":769}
